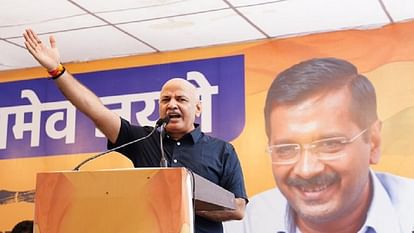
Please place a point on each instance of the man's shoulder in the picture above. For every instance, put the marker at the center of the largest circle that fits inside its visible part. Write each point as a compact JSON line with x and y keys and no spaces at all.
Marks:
{"x":127,"y":125}
{"x":269,"y":201}
{"x":400,"y":192}
{"x":398,"y":188}
{"x":266,"y":212}
{"x":214,"y":140}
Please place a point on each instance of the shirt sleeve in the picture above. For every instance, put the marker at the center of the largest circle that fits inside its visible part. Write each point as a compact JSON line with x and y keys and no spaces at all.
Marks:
{"x":233,"y":179}
{"x":127,"y":133}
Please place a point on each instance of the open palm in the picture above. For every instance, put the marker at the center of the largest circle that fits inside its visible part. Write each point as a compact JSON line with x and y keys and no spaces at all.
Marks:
{"x":48,"y":57}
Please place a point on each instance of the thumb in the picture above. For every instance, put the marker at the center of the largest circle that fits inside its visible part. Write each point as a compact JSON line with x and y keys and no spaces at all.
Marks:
{"x":52,"y":42}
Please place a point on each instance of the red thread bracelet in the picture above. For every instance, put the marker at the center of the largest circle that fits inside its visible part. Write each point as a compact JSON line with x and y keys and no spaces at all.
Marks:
{"x":57,"y":72}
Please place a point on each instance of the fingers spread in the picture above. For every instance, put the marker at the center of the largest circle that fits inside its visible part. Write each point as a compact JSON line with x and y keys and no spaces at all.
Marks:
{"x":28,"y":42}
{"x":29,"y":47}
{"x":32,"y":41}
{"x":31,"y":35}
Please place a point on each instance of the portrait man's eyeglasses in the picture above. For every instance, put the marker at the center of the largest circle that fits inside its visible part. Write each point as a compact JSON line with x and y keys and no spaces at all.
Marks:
{"x":324,"y":149}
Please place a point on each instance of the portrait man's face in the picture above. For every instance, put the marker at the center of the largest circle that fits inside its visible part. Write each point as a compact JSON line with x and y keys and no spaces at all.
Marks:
{"x":323,"y":190}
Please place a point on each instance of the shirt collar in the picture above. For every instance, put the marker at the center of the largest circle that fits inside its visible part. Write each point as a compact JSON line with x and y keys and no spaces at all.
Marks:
{"x":283,"y":226}
{"x":381,"y":216}
{"x":196,"y":133}
{"x":193,"y":136}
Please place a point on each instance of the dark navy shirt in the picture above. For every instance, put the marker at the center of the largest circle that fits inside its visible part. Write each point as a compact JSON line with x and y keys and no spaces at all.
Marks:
{"x":212,"y":158}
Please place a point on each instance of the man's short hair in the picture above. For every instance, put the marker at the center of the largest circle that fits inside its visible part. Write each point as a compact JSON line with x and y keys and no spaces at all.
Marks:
{"x":323,"y":75}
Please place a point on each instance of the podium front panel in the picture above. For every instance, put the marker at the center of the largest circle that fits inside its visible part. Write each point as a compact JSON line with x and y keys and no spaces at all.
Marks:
{"x":129,"y":200}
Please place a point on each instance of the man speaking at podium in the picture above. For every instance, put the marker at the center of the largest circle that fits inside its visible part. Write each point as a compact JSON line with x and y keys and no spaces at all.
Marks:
{"x":184,"y":144}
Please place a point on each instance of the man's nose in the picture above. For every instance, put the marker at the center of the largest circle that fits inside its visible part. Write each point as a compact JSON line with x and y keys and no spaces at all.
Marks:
{"x":308,"y":164}
{"x":172,"y":104}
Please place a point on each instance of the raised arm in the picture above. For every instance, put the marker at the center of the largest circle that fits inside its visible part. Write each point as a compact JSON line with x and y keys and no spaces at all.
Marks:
{"x":80,"y":96}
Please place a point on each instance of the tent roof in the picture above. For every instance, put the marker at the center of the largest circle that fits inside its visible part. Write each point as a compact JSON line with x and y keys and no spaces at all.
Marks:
{"x":93,"y":29}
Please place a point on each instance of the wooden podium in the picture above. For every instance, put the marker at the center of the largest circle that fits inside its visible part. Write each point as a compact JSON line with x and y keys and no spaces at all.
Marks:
{"x":143,"y":200}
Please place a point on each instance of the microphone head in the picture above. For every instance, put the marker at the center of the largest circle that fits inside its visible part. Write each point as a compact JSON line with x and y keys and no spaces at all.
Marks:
{"x":166,"y":119}
{"x":162,"y":121}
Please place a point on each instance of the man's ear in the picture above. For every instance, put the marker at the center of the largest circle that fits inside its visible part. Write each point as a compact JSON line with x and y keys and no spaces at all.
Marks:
{"x":375,"y":141}
{"x":198,"y":109}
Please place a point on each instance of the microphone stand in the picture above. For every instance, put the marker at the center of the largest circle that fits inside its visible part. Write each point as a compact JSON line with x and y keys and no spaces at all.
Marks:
{"x":163,"y":162}
{"x":161,"y":121}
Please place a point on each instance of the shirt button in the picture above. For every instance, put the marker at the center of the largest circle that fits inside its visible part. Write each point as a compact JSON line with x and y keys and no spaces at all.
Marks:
{"x":178,"y":143}
{"x":175,"y":161}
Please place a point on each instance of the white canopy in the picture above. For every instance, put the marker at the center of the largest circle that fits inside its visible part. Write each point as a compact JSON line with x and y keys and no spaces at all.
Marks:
{"x":95,"y":29}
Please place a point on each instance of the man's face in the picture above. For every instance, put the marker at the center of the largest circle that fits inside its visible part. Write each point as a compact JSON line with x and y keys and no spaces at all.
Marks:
{"x":323,"y":190}
{"x":178,"y":101}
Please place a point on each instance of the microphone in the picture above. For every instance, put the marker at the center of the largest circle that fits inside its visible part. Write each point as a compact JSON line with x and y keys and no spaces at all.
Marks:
{"x":163,"y":162}
{"x":160,"y":122}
